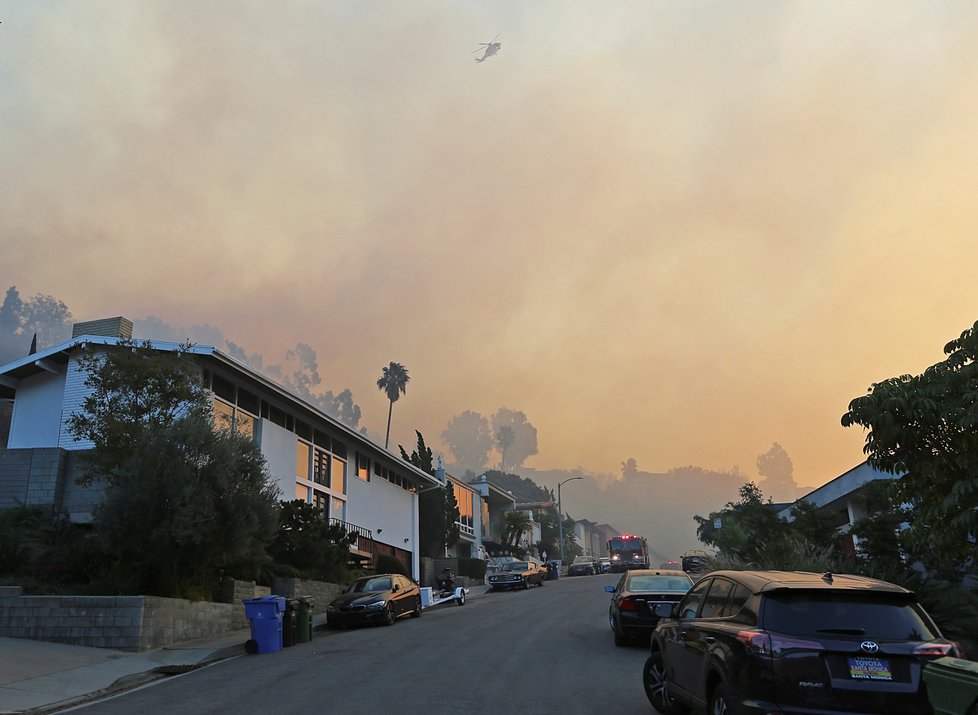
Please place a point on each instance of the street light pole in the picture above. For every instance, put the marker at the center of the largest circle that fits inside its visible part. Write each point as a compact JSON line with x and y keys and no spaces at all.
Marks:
{"x":560,"y":517}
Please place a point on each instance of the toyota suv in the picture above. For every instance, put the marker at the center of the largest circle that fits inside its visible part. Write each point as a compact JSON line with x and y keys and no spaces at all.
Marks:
{"x":791,"y":642}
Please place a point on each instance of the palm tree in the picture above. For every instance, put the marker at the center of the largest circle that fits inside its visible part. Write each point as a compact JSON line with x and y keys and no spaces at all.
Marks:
{"x":515,"y":524}
{"x":394,"y":383}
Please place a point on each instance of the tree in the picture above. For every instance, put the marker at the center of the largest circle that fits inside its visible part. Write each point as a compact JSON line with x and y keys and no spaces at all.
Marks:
{"x":44,"y":315}
{"x":748,"y":528}
{"x":183,"y":501}
{"x":524,"y":442}
{"x":925,"y":427}
{"x":438,"y":512}
{"x":393,"y":382}
{"x":776,"y":468}
{"x":515,"y":525}
{"x":309,"y":544}
{"x":134,"y":390}
{"x":504,"y":440}
{"x":469,"y":439}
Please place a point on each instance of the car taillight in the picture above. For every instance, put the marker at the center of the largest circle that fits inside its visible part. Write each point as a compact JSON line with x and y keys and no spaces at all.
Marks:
{"x":938,"y":649}
{"x":764,"y":643}
{"x":628,"y":604}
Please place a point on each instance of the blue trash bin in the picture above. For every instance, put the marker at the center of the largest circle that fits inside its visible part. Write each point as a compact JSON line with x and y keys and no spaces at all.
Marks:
{"x":265,"y":614}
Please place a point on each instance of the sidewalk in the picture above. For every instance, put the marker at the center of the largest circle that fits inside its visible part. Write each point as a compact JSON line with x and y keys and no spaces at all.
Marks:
{"x":38,"y":677}
{"x":41,"y":677}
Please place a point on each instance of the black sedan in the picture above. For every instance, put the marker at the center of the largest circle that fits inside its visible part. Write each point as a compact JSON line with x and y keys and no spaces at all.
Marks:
{"x":375,"y":599}
{"x":636,"y":594}
{"x":583,"y":566}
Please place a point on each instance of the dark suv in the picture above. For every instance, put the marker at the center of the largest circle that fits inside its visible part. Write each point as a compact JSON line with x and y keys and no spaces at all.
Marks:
{"x":789,"y":642}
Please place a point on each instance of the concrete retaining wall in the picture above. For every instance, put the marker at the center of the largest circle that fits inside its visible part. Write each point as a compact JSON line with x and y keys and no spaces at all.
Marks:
{"x":130,"y":623}
{"x":320,"y":590}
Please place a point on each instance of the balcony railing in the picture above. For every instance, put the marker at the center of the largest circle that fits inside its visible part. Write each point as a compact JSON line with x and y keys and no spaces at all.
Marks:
{"x":352,"y":528}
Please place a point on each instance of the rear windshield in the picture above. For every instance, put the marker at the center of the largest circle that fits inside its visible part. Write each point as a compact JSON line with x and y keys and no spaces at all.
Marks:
{"x":855,"y":614}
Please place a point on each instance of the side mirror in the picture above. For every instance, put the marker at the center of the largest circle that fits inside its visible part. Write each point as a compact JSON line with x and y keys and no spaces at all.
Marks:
{"x":609,"y":589}
{"x":664,"y":610}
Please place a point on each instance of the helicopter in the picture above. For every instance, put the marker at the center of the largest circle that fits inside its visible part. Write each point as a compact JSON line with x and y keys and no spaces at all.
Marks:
{"x":488,"y":49}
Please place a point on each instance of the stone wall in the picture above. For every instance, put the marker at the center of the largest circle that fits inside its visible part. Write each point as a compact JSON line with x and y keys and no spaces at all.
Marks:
{"x":232,"y":591}
{"x":322,"y":591}
{"x":130,"y":623}
{"x":175,"y":620}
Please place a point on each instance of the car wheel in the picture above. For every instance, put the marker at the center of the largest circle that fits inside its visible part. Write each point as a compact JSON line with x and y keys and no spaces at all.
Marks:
{"x":526,"y":585}
{"x":416,"y":613}
{"x":621,"y":638}
{"x":720,"y":701}
{"x":657,"y":689}
{"x":389,"y":616}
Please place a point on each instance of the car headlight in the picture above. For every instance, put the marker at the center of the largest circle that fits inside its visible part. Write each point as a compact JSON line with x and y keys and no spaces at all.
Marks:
{"x":331,"y":608}
{"x":376,"y":605}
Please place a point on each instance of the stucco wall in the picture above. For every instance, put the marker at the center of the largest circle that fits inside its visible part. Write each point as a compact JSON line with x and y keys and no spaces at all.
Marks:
{"x":36,"y":419}
{"x":378,"y":504}
{"x":278,"y":445}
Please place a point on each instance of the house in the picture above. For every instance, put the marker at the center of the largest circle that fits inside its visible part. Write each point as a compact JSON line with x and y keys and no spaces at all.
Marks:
{"x":310,"y":455}
{"x":587,"y":535}
{"x":842,"y":497}
{"x":494,"y":502}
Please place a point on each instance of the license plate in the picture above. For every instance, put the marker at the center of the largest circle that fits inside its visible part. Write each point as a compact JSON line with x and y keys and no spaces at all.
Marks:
{"x":870,"y":669}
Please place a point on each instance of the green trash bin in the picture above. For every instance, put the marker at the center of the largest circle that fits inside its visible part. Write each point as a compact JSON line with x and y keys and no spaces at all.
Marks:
{"x":289,"y":622}
{"x":952,"y":685}
{"x":304,"y":619}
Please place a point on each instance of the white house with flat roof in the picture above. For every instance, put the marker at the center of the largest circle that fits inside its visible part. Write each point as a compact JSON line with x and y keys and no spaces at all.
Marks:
{"x":841,"y":497}
{"x":310,"y":455}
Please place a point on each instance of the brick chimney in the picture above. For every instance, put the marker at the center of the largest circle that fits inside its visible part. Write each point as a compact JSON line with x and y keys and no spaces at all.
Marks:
{"x":117,"y":327}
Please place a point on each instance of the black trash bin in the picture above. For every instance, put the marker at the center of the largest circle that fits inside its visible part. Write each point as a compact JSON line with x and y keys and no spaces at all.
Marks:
{"x":553,"y":573}
{"x":303,"y":619}
{"x":290,"y":622}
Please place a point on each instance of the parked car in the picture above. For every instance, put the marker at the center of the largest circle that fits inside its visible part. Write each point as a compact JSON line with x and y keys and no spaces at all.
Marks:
{"x":604,"y":564}
{"x":630,"y":614}
{"x":518,"y":574}
{"x":375,"y":599}
{"x":776,"y":641}
{"x":583,"y":565}
{"x":694,"y":560}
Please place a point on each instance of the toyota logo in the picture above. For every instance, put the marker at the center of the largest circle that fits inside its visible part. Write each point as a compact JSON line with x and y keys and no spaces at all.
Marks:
{"x":869,"y":647}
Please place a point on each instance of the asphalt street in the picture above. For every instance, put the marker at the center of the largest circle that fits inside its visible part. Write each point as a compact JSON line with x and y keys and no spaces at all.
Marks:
{"x":546,"y":649}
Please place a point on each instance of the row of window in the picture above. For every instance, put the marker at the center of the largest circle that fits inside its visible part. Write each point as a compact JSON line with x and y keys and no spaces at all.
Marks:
{"x":466,"y":514}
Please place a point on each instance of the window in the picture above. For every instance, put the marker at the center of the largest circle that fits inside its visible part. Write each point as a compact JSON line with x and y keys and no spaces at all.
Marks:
{"x":320,"y":467}
{"x":716,"y":599}
{"x":690,"y":605}
{"x":223,"y":387}
{"x":223,"y":415}
{"x":339,"y":474}
{"x":466,"y":515}
{"x":363,"y":467}
{"x":303,"y":430}
{"x":302,"y":492}
{"x":338,"y":509}
{"x":738,"y":597}
{"x":302,"y":460}
{"x":320,"y":501}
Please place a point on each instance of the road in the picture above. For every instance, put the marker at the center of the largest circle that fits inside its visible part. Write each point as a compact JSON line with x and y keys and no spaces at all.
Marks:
{"x":545,"y":650}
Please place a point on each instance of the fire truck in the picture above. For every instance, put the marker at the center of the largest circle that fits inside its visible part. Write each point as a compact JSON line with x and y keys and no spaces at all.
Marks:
{"x":628,"y":551}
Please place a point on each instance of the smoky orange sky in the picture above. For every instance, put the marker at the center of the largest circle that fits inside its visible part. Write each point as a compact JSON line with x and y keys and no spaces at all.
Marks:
{"x":672,"y":231}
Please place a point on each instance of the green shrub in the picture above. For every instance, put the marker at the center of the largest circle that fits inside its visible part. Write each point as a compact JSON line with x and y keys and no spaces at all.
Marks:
{"x":472,"y":568}
{"x":385,"y":563}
